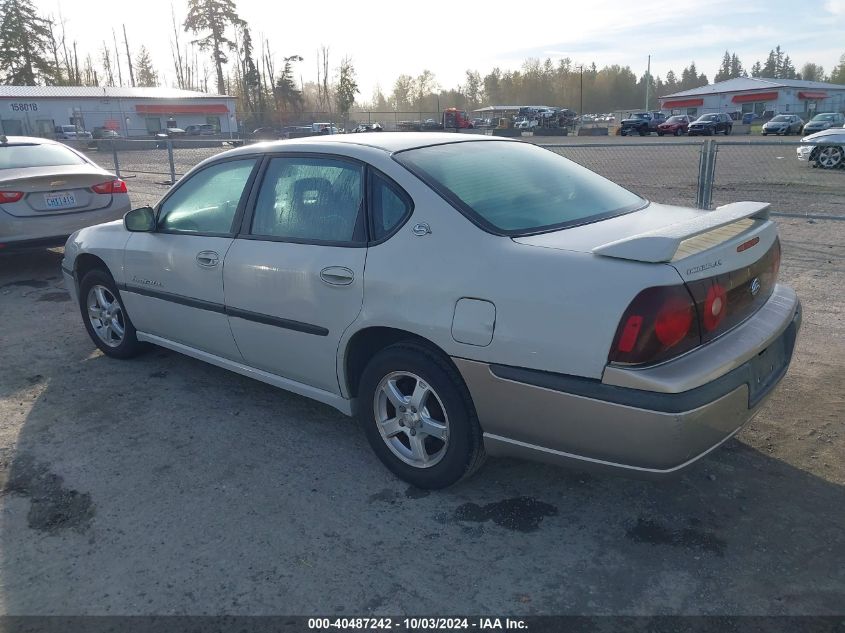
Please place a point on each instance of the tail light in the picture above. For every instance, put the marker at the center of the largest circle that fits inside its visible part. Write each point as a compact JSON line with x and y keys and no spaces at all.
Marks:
{"x":660,"y":323}
{"x":111,"y":186}
{"x":10,"y":196}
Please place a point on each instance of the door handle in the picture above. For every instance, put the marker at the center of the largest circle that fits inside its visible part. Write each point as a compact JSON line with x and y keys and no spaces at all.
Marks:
{"x":337,"y":275}
{"x":208,"y":259}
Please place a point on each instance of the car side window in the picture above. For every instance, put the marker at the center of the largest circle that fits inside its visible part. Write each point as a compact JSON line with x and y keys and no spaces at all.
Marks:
{"x":312,"y":199}
{"x":208,"y":200}
{"x":388,"y":206}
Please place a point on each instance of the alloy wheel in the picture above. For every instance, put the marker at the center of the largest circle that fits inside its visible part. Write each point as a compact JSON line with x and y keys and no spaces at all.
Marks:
{"x":411,"y":419}
{"x":106,"y":315}
{"x":829,"y":157}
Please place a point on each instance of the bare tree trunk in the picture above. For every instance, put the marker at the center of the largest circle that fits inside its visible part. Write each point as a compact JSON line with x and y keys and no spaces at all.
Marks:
{"x":117,"y":58}
{"x":129,"y":58}
{"x":176,"y":51}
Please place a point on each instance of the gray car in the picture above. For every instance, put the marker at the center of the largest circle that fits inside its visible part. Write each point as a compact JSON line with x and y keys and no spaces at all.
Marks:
{"x":461,"y":295}
{"x":824,"y":121}
{"x":49,"y":190}
{"x":783,"y":124}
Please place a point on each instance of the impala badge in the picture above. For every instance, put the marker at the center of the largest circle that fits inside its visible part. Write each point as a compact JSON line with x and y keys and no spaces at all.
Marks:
{"x":755,"y":286}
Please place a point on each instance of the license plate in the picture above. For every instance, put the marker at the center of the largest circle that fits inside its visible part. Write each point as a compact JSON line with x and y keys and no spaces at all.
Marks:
{"x":770,"y":365}
{"x":59,"y":200}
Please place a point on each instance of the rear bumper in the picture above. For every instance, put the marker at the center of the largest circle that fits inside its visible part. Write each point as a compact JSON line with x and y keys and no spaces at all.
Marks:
{"x":594,"y":425}
{"x":54,"y":229}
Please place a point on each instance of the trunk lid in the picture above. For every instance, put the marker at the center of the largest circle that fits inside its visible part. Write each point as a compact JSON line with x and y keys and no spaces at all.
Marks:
{"x":55,"y":190}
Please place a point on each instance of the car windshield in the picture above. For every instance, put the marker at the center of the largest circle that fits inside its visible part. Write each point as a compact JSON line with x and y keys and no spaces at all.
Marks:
{"x":676,"y":119}
{"x":517,"y":188}
{"x":639,"y":115}
{"x":780,"y":118}
{"x":21,"y":156}
{"x":709,"y":117}
{"x":823,"y":117}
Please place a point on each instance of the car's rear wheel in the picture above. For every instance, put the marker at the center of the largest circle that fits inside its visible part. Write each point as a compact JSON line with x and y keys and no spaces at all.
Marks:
{"x":728,"y":130}
{"x":418,"y":416}
{"x":105,"y":316}
{"x":830,"y":157}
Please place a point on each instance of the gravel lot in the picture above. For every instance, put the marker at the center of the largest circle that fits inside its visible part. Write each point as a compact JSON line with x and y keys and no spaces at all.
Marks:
{"x":166,"y":486}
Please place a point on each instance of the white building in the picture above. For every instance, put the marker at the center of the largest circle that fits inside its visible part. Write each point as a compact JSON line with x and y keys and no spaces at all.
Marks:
{"x":36,"y":110}
{"x":760,"y":96}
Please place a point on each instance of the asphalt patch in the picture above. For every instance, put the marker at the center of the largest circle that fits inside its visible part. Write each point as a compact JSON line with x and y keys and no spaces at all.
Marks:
{"x":54,"y":508}
{"x":28,"y":283}
{"x":693,"y":537}
{"x":520,"y":514}
{"x":55,"y":297}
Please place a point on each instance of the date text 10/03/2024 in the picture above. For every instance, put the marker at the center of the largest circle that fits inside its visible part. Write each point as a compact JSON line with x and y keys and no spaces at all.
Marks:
{"x":417,"y":624}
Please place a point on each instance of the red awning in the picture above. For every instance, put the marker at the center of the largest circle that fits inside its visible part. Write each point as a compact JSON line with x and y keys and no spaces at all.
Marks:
{"x":812,"y":95}
{"x":683,"y":103}
{"x":193,"y":108}
{"x":757,"y":96}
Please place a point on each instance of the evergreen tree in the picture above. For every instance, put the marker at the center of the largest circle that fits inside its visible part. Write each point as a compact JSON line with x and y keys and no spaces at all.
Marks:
{"x":757,"y":69}
{"x":837,"y":75}
{"x":725,"y":69}
{"x":24,"y":45}
{"x":771,"y":67}
{"x":288,"y":97}
{"x":145,"y":74}
{"x":736,"y":68}
{"x":249,"y":74}
{"x":347,"y":88}
{"x":213,"y":16}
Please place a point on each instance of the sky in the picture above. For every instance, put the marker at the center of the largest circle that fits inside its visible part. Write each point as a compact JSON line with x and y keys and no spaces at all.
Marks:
{"x":386,"y":39}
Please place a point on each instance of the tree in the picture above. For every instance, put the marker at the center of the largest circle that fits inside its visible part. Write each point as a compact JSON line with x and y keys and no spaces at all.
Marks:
{"x":251,"y":90}
{"x":837,"y":75}
{"x":24,"y":45}
{"x":812,"y":72}
{"x":145,"y":74}
{"x":401,"y":96}
{"x":757,"y":69}
{"x":736,"y":68}
{"x":288,"y":97}
{"x":213,"y":16}
{"x":347,"y":88}
{"x":108,"y":72}
{"x":424,"y":85}
{"x":725,"y":69}
{"x":472,"y":89}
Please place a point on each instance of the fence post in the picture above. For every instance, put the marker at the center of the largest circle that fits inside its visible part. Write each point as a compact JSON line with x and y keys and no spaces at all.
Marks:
{"x":170,"y":159}
{"x":706,"y":174}
{"x":114,"y":157}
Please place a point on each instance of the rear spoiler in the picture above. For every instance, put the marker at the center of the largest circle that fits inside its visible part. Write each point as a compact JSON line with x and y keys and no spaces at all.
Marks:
{"x":660,"y":245}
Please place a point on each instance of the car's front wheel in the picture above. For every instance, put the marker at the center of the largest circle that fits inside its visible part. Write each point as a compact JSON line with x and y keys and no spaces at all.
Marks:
{"x":418,"y":416}
{"x":728,"y":130}
{"x":105,"y":316}
{"x":830,"y":157}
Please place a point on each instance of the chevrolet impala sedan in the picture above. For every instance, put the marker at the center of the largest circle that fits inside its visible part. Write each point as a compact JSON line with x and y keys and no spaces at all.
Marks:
{"x":460,"y":295}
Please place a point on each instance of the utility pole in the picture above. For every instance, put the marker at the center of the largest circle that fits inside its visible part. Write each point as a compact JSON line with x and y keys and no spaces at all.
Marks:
{"x":581,"y":110}
{"x":129,"y":58}
{"x":647,"y":82}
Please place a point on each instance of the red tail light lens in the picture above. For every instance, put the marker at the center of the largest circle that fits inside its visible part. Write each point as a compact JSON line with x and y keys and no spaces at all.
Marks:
{"x":112,"y":186}
{"x":10,"y":196}
{"x":660,"y":323}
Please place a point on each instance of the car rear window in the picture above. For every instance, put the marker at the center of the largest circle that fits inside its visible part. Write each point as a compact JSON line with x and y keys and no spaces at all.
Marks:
{"x":516,"y":188}
{"x":22,"y":156}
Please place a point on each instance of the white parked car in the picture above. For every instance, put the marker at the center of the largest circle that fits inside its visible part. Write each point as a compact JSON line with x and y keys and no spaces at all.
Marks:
{"x":460,"y":295}
{"x":825,"y":149}
{"x":49,"y":190}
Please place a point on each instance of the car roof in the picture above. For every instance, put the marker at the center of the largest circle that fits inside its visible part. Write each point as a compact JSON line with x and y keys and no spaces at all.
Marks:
{"x":387,"y":141}
{"x":29,"y":140}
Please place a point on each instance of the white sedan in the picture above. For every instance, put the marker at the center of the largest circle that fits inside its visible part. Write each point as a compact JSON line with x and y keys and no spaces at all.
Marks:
{"x":825,"y":149}
{"x":461,"y":295}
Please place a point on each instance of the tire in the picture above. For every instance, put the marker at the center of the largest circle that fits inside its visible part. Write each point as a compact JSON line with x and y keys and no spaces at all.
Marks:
{"x":447,"y":402}
{"x":643,"y":133}
{"x":830,"y":156}
{"x":678,"y":131}
{"x":728,"y":130}
{"x":659,"y":133}
{"x":98,"y":292}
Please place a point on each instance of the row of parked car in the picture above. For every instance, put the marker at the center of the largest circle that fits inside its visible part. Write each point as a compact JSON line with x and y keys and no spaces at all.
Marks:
{"x":644,"y":123}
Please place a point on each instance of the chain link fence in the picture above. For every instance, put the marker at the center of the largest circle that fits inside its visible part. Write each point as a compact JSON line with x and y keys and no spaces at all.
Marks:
{"x":676,"y":171}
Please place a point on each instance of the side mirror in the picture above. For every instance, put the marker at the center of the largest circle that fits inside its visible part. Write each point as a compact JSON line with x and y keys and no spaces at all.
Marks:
{"x":140,"y":220}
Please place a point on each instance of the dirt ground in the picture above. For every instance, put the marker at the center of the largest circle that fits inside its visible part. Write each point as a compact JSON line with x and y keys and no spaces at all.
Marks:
{"x":164,"y":485}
